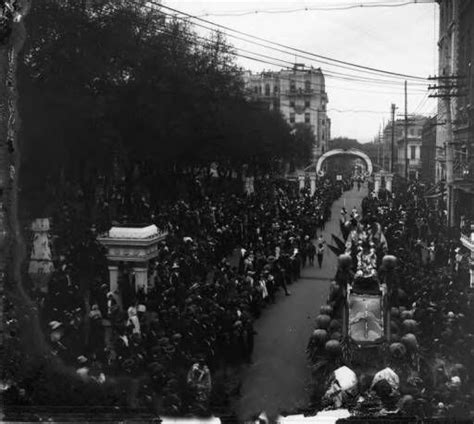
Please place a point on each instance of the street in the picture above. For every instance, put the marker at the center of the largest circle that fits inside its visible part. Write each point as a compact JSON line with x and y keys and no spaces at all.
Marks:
{"x":277,"y":379}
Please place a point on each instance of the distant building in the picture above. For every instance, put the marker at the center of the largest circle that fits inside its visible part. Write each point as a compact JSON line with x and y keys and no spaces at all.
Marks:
{"x":387,"y":145}
{"x":299,"y":94}
{"x":429,"y":152}
{"x":409,"y":150}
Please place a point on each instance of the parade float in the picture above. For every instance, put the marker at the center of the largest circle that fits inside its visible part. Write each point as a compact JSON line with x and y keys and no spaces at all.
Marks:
{"x":363,"y":348}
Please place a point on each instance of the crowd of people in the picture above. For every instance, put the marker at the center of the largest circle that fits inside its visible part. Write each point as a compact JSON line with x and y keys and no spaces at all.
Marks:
{"x":224,"y":259}
{"x":433,"y":282}
{"x":398,"y":244}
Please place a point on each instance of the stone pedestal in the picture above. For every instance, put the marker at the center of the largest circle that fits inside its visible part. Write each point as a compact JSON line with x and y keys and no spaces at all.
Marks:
{"x":312,"y":179}
{"x":249,"y":187}
{"x":388,"y":182}
{"x":252,"y":185}
{"x":41,"y":264}
{"x":377,"y":181}
{"x":300,"y":182}
{"x":135,"y":245}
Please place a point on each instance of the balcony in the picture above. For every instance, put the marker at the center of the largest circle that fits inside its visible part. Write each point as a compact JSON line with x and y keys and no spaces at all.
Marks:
{"x":300,"y":92}
{"x":414,"y":162}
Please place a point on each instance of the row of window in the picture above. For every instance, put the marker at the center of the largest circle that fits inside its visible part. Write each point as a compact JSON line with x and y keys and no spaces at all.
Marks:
{"x":258,"y":88}
{"x":307,"y":103}
{"x":307,"y":118}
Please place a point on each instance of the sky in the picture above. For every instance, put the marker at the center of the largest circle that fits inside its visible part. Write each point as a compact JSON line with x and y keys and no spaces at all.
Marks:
{"x":398,"y":39}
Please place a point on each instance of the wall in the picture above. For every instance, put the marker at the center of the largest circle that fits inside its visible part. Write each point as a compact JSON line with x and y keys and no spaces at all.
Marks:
{"x":290,"y":90}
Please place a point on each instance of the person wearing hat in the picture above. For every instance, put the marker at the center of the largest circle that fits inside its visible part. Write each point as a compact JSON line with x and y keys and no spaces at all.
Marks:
{"x":320,"y":248}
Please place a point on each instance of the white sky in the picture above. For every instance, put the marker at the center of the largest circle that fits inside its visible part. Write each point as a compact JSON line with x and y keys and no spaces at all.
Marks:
{"x":398,"y":39}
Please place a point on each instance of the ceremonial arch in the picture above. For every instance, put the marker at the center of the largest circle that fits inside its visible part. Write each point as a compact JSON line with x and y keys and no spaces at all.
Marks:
{"x":345,"y":152}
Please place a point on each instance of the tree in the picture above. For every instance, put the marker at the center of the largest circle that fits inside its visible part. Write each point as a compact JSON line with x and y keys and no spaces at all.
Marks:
{"x":109,"y":83}
{"x":303,"y":144}
{"x":344,"y":143}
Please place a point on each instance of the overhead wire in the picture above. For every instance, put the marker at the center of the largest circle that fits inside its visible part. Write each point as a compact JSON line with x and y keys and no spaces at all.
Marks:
{"x":265,"y":61}
{"x":310,"y":8}
{"x":335,"y":61}
{"x":334,"y":74}
{"x":360,"y":77}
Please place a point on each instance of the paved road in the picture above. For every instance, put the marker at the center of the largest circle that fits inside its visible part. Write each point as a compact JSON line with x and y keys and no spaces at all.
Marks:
{"x":278,"y":378}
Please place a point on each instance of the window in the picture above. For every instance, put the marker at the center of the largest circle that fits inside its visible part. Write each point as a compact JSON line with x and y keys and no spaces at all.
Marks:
{"x":275,"y":89}
{"x":307,"y":85}
{"x":323,"y":122}
{"x":292,"y":85}
{"x":307,"y":118}
{"x":292,"y":118}
{"x":307,"y":103}
{"x":292,"y":103}
{"x":412,"y":152}
{"x":411,"y":131}
{"x":267,"y":89}
{"x":255,"y":89}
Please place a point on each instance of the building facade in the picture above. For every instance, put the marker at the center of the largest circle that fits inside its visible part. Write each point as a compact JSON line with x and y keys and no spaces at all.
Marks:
{"x":429,"y":152}
{"x":387,"y":150}
{"x":409,"y":148}
{"x":456,"y":59}
{"x":299,"y":94}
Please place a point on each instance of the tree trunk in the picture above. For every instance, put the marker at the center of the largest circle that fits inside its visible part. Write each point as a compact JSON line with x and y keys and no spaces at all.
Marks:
{"x":12,"y":247}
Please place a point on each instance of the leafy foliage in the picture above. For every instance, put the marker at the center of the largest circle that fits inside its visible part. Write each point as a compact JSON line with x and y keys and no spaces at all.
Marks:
{"x":109,"y":81}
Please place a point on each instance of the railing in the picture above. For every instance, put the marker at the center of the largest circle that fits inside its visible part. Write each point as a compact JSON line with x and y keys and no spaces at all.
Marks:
{"x":299,"y":91}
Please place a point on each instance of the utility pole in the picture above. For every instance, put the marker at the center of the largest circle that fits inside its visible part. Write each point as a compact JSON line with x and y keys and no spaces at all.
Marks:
{"x":449,"y":161}
{"x":378,"y":147}
{"x":445,"y":91}
{"x":406,"y":132}
{"x":393,"y":138}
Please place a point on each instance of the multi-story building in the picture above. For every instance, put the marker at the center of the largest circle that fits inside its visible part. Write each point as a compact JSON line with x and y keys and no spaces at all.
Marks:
{"x":428,"y":152}
{"x":387,"y":150}
{"x":456,"y":57}
{"x":409,"y":148}
{"x":299,"y":94}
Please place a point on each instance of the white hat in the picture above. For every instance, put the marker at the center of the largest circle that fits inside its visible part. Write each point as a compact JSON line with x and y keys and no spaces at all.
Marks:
{"x":81,"y":359}
{"x":54,"y":325}
{"x":455,"y":381}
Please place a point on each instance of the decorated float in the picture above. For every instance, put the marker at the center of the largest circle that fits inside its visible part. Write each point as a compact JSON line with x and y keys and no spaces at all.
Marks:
{"x":363,"y":347}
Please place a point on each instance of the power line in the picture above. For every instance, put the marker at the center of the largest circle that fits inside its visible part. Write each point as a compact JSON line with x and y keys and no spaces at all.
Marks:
{"x":358,"y":111}
{"x":288,"y":47}
{"x":308,"y":9}
{"x":302,"y":56}
{"x":272,"y":62}
{"x":329,"y":74}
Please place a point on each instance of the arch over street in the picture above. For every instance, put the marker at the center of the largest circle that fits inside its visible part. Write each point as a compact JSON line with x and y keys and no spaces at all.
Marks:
{"x":345,"y":152}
